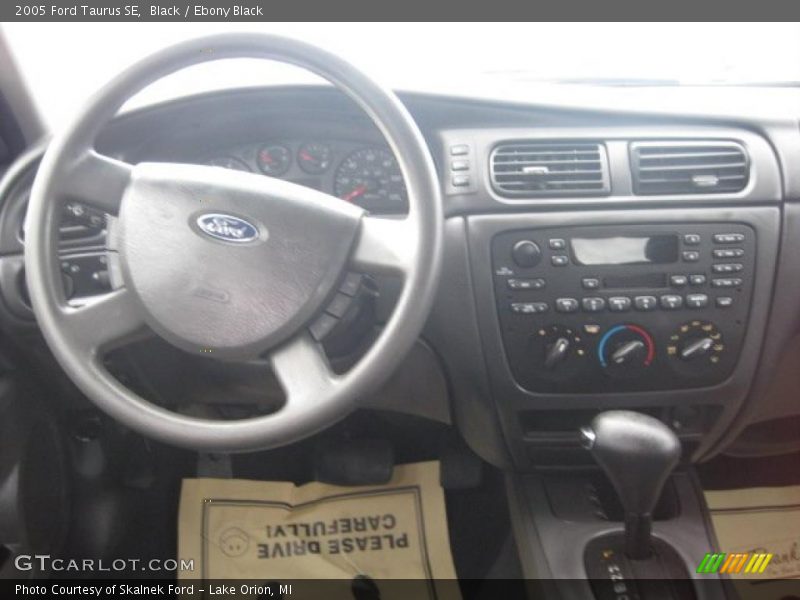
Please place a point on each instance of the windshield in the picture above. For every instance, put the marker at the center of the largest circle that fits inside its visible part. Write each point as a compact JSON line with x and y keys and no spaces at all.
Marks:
{"x":82,"y":57}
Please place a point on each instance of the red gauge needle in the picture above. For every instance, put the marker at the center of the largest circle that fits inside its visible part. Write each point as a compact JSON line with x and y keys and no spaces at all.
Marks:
{"x":355,"y":193}
{"x":266,"y":158}
{"x":306,"y":156}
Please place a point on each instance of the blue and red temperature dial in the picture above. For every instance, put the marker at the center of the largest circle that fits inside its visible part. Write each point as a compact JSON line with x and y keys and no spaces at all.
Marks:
{"x":624,"y":350}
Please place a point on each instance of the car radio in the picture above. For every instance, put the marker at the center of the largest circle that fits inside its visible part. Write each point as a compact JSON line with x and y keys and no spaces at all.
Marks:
{"x":623,"y":308}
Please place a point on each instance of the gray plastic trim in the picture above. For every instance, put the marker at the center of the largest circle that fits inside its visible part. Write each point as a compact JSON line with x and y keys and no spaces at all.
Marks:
{"x":782,"y":327}
{"x":764,"y":186}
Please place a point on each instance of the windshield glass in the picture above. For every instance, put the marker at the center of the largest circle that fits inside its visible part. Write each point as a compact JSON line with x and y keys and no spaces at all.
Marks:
{"x":65,"y":63}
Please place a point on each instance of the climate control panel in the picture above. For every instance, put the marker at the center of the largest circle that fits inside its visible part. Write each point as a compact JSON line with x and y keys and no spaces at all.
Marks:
{"x":623,"y":308}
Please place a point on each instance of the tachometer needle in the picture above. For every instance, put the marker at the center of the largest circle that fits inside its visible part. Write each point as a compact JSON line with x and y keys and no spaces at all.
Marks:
{"x":355,"y":193}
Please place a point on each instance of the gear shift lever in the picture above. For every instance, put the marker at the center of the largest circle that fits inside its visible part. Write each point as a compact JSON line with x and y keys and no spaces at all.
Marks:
{"x":637,"y":452}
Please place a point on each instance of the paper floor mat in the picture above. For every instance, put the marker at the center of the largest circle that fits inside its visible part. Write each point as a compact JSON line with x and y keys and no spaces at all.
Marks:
{"x":761,"y":520}
{"x":276,"y":531}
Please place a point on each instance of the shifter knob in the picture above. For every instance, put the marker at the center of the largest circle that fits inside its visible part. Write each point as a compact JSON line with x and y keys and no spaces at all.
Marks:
{"x":637,"y":452}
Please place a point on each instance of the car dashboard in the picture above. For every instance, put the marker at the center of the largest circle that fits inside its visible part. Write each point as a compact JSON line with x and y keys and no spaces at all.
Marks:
{"x":594,"y":258}
{"x":365,"y":175}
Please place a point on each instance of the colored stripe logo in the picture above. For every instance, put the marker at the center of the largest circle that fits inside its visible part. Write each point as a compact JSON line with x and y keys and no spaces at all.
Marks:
{"x":745,"y":562}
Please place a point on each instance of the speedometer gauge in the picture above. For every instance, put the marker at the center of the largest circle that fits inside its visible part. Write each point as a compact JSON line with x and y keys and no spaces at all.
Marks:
{"x":371,"y":178}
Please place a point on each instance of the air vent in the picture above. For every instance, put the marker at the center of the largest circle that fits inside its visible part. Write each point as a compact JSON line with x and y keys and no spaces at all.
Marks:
{"x":557,"y":168}
{"x":691,"y":167}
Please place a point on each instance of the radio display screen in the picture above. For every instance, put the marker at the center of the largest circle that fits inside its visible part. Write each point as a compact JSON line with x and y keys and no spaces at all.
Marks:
{"x":626,"y":250}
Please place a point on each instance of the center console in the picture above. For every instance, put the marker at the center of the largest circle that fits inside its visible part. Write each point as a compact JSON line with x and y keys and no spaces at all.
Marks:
{"x":619,"y":281}
{"x":632,"y":308}
{"x":623,"y":307}
{"x":658,"y":310}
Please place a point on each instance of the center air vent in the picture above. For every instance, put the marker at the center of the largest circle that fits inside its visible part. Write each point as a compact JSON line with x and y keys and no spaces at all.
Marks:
{"x":688,"y":167}
{"x":556,"y":168}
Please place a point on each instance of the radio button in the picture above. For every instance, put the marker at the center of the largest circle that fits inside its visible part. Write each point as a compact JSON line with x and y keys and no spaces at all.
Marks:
{"x":678,"y":280}
{"x":590,"y":283}
{"x":671,"y":301}
{"x":619,"y":304}
{"x":526,"y":284}
{"x":696,"y":300}
{"x":697,"y":279}
{"x":691,"y":239}
{"x":529,"y":308}
{"x":691,"y":256}
{"x":727,"y":282}
{"x":724,"y":302}
{"x":728,"y":238}
{"x":593,"y":304}
{"x":728,"y":252}
{"x":557,"y":244}
{"x":566,"y":305}
{"x":727,"y":268}
{"x":559,"y":260}
{"x":645,"y":303}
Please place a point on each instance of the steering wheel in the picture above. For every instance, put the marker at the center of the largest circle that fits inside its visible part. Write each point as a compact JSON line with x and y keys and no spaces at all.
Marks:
{"x":228,"y":264}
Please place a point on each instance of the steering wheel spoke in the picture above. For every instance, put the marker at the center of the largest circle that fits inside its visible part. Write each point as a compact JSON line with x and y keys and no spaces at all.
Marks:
{"x":302,"y":370}
{"x":385,"y":246}
{"x":105,"y":322}
{"x":98,"y":180}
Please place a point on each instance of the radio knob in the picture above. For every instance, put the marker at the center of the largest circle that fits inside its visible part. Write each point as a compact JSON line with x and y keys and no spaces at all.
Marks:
{"x":526,"y":254}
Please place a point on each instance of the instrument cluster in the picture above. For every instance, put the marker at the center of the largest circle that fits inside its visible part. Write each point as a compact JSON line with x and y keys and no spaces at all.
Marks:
{"x":366,"y":175}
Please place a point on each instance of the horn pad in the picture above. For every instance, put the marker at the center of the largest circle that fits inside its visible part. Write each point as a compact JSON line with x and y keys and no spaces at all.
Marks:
{"x":227,"y":263}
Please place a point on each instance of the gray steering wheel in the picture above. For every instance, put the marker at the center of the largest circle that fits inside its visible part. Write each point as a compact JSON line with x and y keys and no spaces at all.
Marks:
{"x":230,"y":264}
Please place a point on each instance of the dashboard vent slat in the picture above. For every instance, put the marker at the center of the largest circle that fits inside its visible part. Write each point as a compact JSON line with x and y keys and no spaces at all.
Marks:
{"x":689,"y":167}
{"x":549,"y":168}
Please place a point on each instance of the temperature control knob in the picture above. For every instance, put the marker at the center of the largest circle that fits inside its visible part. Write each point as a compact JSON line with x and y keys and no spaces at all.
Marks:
{"x":695,"y":345}
{"x":626,"y":350}
{"x":633,"y":352}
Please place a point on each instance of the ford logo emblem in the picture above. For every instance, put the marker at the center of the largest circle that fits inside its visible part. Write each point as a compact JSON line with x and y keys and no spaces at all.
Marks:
{"x":227,"y":228}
